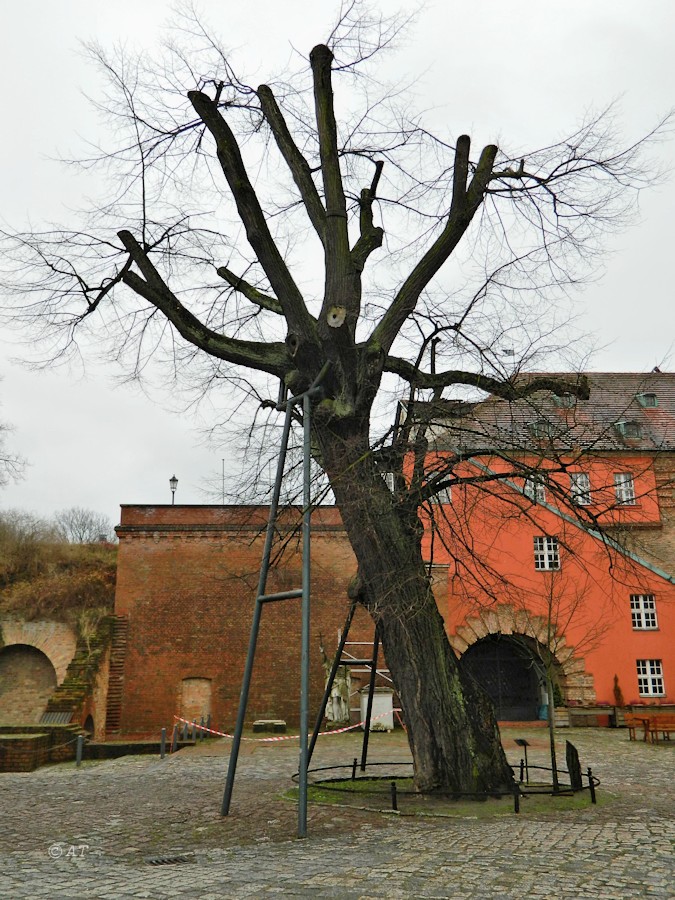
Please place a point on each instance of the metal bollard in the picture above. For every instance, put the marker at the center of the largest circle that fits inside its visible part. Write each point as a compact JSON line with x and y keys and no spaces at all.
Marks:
{"x":162,"y":744}
{"x":516,"y":799}
{"x":394,"y":801}
{"x":591,"y":785}
{"x":354,"y":765}
{"x":522,"y":771}
{"x":174,"y":738}
{"x":185,"y":731}
{"x":78,"y":749}
{"x":201,"y":729}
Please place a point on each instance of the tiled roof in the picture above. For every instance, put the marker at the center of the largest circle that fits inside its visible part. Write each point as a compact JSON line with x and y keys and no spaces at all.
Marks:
{"x":617,"y":416}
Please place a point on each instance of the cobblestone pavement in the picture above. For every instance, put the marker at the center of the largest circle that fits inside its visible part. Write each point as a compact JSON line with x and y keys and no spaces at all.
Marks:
{"x":99,"y":831}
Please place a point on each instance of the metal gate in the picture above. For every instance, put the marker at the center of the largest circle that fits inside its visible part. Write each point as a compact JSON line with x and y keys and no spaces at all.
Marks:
{"x":508,"y":673}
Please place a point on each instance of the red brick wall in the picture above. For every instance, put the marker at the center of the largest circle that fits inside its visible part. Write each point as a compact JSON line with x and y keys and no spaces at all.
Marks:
{"x":186,"y":582}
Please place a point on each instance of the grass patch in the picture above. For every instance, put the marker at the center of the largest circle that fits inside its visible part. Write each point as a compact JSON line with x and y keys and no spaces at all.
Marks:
{"x":375,"y":794}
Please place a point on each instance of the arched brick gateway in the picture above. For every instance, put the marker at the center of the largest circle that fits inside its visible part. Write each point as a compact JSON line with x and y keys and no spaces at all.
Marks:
{"x":27,"y":681}
{"x":34,"y":657}
{"x":576,"y":684}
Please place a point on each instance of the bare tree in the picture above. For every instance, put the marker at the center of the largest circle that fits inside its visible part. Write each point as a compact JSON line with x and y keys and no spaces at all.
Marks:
{"x":228,"y":199}
{"x":82,"y":526}
{"x":11,"y":465}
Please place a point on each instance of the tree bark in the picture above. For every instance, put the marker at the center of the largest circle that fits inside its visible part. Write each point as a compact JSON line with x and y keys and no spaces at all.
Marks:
{"x":452,"y":729}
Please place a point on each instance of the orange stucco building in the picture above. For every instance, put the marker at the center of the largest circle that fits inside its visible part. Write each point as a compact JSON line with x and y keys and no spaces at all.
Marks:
{"x":563,"y":552}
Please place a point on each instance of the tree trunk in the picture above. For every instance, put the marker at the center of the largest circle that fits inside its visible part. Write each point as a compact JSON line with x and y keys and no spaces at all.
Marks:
{"x":452,"y":727}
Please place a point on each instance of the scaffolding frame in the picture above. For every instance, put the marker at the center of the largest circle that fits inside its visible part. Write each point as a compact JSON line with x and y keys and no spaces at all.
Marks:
{"x":313,"y":393}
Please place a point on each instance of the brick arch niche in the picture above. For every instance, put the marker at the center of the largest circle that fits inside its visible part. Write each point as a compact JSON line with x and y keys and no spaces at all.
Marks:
{"x":27,"y":681}
{"x":576,"y":684}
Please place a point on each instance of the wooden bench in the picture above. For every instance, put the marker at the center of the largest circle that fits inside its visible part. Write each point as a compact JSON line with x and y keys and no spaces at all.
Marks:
{"x":633,"y":721}
{"x":662,"y":724}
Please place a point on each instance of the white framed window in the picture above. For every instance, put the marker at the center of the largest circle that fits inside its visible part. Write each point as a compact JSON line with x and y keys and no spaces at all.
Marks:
{"x":389,"y":480}
{"x":443,"y":496}
{"x":580,"y":488}
{"x":546,"y":554}
{"x":624,"y":488}
{"x":535,"y":489}
{"x":565,"y":400}
{"x":650,"y":677}
{"x":648,"y":400}
{"x":542,"y":429}
{"x":643,"y":611}
{"x":629,"y":429}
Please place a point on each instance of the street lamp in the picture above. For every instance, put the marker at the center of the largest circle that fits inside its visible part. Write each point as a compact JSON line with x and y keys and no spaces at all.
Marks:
{"x":173,"y":484}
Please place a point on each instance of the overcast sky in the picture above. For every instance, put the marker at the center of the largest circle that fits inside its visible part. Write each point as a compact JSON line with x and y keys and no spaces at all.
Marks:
{"x":523,"y":72}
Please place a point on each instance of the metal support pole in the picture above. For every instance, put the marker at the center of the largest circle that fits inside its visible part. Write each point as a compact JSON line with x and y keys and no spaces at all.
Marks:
{"x":306,"y":574}
{"x":79,"y":746}
{"x":371,"y":691}
{"x":313,"y":392}
{"x":331,"y":679}
{"x":162,"y":744}
{"x":591,"y":786}
{"x":174,"y":738}
{"x":255,"y":625}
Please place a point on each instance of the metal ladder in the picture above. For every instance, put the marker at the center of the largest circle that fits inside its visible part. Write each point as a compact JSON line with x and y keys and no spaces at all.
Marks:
{"x":306,"y":398}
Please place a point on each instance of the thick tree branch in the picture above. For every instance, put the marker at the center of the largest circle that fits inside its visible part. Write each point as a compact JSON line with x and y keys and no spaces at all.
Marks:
{"x":298,"y":165}
{"x":371,"y":237}
{"x":507,"y":390}
{"x":338,"y":262}
{"x":465,"y":202}
{"x":252,"y":215}
{"x":248,"y":291}
{"x":272,"y":357}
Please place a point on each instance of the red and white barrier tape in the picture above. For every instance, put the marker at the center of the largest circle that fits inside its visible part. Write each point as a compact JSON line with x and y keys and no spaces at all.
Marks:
{"x":283,"y":737}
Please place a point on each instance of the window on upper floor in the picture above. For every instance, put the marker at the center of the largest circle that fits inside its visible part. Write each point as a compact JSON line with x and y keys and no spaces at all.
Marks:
{"x":648,"y":400}
{"x":643,"y":611}
{"x":542,"y":429}
{"x":389,"y":480}
{"x":624,"y":488}
{"x":535,"y":488}
{"x":565,"y":400}
{"x":629,"y":429}
{"x":546,"y":554}
{"x":443,"y":496}
{"x":650,"y":677}
{"x":580,"y":488}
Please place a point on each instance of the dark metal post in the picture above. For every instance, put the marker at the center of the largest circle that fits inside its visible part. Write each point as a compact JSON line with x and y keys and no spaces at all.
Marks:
{"x":371,"y":691}
{"x":304,"y":656}
{"x":331,"y":679}
{"x":394,"y":802}
{"x":174,"y":738}
{"x":162,"y":744}
{"x":78,"y":749}
{"x":354,"y":765}
{"x":522,"y":770}
{"x":524,"y":744}
{"x":255,"y":625}
{"x":185,"y":731}
{"x":591,"y":785}
{"x":516,"y":799}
